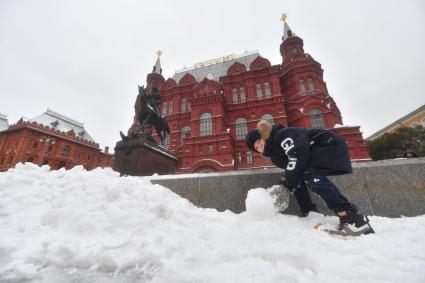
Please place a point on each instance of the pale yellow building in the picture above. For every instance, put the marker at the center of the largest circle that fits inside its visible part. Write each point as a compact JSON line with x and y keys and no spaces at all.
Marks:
{"x":414,"y":118}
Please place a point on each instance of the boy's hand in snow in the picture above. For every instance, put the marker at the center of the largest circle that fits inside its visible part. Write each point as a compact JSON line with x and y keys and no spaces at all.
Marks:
{"x":284,"y":182}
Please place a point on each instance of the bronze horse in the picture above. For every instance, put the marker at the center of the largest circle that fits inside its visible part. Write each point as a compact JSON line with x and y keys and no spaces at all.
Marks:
{"x":147,"y":112}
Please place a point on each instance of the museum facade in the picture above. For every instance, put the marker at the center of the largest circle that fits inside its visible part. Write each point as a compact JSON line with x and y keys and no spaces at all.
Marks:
{"x":211,"y":106}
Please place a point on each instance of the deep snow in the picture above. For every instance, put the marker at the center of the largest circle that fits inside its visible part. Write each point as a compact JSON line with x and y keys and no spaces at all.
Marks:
{"x":94,"y":226}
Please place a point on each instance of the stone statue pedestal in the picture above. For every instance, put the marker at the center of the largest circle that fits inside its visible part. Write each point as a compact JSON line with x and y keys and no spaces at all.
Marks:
{"x":142,"y":157}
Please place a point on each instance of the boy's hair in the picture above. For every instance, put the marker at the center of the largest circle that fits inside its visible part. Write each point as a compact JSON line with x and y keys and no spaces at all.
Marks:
{"x":264,"y":128}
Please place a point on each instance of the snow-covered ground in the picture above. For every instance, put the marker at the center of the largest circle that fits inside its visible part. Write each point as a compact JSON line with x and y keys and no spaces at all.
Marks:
{"x":79,"y":226}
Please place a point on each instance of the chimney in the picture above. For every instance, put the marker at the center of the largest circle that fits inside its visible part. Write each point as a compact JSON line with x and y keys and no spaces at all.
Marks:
{"x":106,"y":149}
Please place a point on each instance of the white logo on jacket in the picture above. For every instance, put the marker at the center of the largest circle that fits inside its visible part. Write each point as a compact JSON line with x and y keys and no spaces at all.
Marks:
{"x":287,"y":145}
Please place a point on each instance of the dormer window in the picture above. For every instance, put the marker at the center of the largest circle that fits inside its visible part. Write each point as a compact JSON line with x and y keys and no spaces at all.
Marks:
{"x":81,"y":134}
{"x":54,"y":124}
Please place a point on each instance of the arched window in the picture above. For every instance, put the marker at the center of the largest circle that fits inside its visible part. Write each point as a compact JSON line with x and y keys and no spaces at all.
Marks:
{"x":205,"y":125}
{"x":268,"y":117}
{"x":317,"y":119}
{"x":35,"y":145}
{"x":185,"y":130}
{"x":267,"y":89}
{"x":30,"y":159}
{"x":241,"y":128}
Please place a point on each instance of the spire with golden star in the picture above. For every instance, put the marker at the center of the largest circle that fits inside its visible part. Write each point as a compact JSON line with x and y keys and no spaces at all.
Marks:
{"x":283,"y":17}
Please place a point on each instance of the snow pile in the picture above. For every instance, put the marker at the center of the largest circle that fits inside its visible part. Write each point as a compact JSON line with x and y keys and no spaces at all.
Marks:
{"x":79,"y":226}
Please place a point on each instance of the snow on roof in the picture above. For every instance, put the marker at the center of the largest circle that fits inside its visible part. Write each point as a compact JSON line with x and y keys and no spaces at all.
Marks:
{"x":4,"y":124}
{"x":217,"y":69}
{"x":62,"y":123}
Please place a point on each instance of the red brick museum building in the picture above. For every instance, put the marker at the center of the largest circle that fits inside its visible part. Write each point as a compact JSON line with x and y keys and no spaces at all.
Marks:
{"x":211,"y":106}
{"x":50,"y":139}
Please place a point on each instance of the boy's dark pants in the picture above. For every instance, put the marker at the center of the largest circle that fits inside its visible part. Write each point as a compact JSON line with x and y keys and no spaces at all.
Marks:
{"x":317,"y":181}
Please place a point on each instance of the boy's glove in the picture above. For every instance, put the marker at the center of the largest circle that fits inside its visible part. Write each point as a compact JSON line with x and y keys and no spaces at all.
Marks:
{"x":284,"y":182}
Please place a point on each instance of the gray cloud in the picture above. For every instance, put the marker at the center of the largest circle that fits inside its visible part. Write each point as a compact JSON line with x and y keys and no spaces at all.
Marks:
{"x":85,"y":59}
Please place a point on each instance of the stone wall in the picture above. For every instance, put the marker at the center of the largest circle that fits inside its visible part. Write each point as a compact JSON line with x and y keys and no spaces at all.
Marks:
{"x":390,"y":188}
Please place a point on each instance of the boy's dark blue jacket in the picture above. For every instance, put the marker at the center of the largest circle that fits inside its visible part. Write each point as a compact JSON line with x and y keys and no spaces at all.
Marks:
{"x":298,"y":149}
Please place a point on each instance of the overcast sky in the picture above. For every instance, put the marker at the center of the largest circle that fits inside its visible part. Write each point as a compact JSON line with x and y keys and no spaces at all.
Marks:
{"x":84,"y":59}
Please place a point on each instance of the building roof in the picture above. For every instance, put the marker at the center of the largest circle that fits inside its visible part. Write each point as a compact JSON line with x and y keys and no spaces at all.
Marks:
{"x":398,"y":122}
{"x":62,"y":123}
{"x":4,"y":125}
{"x":287,"y":32}
{"x":216,"y":68}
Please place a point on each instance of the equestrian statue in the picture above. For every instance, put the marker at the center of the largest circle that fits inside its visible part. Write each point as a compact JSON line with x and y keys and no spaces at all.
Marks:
{"x":148,"y":113}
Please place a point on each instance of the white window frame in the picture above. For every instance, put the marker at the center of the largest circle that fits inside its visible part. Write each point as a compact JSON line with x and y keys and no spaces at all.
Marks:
{"x":317,"y":118}
{"x":184,"y":131}
{"x":171,"y":107}
{"x":267,"y":89}
{"x":242,"y":93}
{"x":235,"y":95}
{"x":241,"y":126}
{"x":205,"y":124}
{"x":311,"y":85}
{"x":183,"y":104}
{"x":303,"y":89}
{"x":249,"y":157}
{"x":164,"y":108}
{"x":259,"y":91}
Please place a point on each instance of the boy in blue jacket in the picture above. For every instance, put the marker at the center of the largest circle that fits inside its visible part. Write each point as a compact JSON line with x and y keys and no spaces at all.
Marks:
{"x":308,"y":157}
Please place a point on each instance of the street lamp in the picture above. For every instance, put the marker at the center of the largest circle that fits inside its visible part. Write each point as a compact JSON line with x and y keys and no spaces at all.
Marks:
{"x":46,"y":140}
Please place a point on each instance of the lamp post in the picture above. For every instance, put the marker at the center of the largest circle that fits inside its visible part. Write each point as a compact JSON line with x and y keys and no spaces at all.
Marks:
{"x":46,"y":140}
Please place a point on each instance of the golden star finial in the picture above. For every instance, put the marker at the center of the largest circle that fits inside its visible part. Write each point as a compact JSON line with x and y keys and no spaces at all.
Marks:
{"x":158,"y":53}
{"x":283,"y":17}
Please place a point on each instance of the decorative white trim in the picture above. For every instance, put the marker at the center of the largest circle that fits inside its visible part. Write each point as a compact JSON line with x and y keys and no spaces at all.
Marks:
{"x":62,"y":117}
